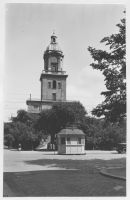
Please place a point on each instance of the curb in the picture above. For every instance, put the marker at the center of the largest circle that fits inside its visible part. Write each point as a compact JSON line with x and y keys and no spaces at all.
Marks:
{"x":106,"y":173}
{"x":10,"y":189}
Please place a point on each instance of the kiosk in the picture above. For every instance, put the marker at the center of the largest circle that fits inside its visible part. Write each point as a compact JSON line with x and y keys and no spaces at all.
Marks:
{"x":71,"y":141}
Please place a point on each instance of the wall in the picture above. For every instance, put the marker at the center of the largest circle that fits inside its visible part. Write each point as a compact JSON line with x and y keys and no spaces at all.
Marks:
{"x":32,"y":109}
{"x":46,"y":93}
{"x":62,"y":149}
{"x":74,"y":147}
{"x":43,"y":105}
{"x":48,"y":62}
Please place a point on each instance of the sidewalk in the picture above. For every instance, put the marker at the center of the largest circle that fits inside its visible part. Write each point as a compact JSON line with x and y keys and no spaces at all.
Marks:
{"x":10,"y":189}
{"x":7,"y":191}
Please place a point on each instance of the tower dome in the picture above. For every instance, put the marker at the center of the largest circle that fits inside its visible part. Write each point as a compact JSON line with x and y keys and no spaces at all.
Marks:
{"x":53,"y":56}
{"x":53,"y":46}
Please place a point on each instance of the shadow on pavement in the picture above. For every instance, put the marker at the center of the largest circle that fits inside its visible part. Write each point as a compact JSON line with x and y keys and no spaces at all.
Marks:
{"x":79,"y":164}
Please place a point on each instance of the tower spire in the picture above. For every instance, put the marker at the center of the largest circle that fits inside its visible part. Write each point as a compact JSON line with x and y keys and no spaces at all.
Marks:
{"x":53,"y":37}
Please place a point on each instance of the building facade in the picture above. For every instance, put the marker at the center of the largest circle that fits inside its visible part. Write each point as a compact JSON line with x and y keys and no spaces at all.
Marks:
{"x":52,"y":78}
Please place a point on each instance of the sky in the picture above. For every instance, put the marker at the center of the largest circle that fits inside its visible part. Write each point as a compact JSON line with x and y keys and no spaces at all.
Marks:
{"x":28,"y":28}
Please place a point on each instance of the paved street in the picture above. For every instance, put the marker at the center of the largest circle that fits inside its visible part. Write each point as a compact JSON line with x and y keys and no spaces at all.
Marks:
{"x":15,"y":161}
{"x":49,"y":174}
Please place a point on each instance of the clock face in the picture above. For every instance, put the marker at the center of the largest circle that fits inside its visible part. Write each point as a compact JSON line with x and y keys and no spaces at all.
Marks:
{"x":54,"y":59}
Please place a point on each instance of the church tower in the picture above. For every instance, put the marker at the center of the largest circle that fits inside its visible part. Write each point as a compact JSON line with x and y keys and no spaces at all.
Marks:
{"x":53,"y":78}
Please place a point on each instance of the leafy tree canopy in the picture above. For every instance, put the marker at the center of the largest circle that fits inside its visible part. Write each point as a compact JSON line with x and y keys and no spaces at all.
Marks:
{"x":69,"y":113}
{"x":24,"y":117}
{"x":113,"y":66}
{"x":44,"y":123}
{"x":60,"y":116}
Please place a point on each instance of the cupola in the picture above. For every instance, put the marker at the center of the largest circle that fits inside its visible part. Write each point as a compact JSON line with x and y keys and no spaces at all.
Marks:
{"x":53,"y":56}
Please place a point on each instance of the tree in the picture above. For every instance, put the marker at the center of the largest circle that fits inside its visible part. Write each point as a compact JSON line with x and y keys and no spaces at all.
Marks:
{"x":93,"y":129}
{"x":103,"y":135}
{"x":24,"y":129}
{"x":68,"y":114}
{"x":43,"y":124}
{"x":113,"y":66}
{"x":8,"y":137}
{"x":61,"y":115}
{"x":18,"y":132}
{"x":30,"y":136}
{"x":111,"y":135}
{"x":24,"y":117}
{"x":13,"y":132}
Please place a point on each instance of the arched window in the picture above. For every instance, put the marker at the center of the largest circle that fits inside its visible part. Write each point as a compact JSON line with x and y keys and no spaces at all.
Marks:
{"x":54,"y":84}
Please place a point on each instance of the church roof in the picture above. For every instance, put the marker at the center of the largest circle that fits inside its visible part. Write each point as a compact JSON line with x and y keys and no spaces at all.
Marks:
{"x":71,"y":132}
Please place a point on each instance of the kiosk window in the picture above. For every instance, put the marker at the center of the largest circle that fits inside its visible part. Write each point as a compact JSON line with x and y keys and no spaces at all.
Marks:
{"x":62,"y":140}
{"x":79,"y":140}
{"x":68,"y":140}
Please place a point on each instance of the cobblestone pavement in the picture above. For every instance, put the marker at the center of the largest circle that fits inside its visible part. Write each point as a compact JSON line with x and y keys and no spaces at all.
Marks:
{"x":81,"y":178}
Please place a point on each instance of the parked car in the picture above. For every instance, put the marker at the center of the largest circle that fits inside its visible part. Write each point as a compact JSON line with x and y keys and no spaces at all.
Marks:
{"x":121,"y":148}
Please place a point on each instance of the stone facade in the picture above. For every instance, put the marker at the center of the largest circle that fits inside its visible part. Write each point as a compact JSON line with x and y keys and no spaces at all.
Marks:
{"x":47,"y":89}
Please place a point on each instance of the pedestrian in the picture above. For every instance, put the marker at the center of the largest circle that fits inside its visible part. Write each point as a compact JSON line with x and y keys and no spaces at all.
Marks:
{"x":19,"y":147}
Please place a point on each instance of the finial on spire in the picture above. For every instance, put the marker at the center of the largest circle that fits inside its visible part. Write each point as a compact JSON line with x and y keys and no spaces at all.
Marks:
{"x":53,"y":37}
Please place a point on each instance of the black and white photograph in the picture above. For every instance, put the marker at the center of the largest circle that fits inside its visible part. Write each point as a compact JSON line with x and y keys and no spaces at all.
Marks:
{"x":64,"y":99}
